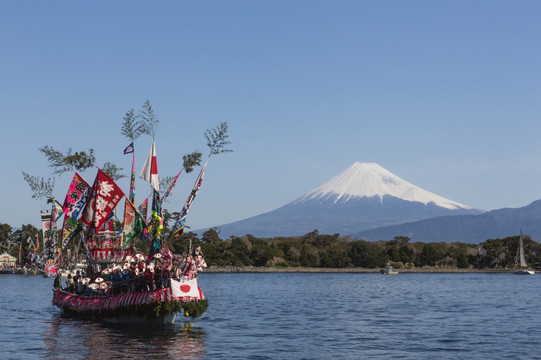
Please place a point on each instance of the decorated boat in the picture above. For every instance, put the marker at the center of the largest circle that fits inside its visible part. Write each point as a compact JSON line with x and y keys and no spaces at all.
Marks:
{"x":139,"y":290}
{"x":120,"y":283}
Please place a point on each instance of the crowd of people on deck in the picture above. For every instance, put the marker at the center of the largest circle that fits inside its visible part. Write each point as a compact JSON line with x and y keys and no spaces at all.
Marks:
{"x":135,"y":273}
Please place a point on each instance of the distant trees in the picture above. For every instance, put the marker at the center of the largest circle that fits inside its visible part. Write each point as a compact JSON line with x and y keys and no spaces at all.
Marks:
{"x":501,"y":253}
{"x":10,"y":241}
{"x":5,"y":236}
{"x":325,"y":251}
{"x":332,"y":251}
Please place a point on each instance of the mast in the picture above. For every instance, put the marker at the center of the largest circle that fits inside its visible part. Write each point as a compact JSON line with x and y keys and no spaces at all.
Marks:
{"x":521,"y":255}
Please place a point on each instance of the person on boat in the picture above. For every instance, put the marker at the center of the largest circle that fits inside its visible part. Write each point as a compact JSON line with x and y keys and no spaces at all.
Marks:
{"x":79,"y":285}
{"x":77,"y":276}
{"x":166,"y":275}
{"x":69,"y":283}
{"x":191,"y":268}
{"x":149,"y":278}
{"x":131,"y":278}
{"x":177,"y":271}
{"x":58,"y":280}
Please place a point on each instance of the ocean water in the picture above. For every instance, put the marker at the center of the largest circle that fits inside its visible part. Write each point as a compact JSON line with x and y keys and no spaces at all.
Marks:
{"x":297,"y":316}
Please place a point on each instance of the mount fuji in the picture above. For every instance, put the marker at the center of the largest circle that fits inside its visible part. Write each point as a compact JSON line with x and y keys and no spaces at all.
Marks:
{"x":362,"y":197}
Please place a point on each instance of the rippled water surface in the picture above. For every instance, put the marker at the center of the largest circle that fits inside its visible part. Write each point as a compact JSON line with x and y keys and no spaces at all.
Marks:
{"x":297,"y":316}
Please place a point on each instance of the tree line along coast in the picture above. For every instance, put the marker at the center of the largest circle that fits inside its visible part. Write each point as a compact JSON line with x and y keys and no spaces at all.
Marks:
{"x":318,"y":251}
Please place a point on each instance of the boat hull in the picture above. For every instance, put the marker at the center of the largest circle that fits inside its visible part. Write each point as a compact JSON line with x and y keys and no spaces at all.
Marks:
{"x":121,"y":318}
{"x":524,"y":272}
{"x":157,"y":306}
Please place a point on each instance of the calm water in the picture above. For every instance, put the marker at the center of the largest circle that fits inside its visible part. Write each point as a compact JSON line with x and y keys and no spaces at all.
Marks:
{"x":298,"y":316}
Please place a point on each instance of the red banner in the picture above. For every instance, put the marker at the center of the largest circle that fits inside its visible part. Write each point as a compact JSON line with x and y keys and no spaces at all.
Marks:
{"x":104,"y":197}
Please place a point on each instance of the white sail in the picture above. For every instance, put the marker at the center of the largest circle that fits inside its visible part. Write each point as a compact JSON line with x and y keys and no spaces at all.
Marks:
{"x":521,"y":249}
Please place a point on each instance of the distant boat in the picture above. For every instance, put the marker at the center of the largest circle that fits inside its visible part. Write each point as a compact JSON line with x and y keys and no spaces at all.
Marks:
{"x":521,"y":267}
{"x":389,"y":270}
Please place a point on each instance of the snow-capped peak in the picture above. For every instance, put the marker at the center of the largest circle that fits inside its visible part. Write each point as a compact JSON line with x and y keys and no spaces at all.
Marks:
{"x":369,"y":180}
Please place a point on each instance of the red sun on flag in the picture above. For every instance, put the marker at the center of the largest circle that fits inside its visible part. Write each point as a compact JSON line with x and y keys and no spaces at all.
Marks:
{"x":185,"y":288}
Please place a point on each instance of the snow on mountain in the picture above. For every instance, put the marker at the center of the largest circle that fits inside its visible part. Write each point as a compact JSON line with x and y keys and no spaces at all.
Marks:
{"x":362,"y":197}
{"x":369,"y":180}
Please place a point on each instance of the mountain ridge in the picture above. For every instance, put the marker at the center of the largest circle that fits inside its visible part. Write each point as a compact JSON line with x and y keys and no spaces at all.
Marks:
{"x":498,"y":223}
{"x":363,"y":196}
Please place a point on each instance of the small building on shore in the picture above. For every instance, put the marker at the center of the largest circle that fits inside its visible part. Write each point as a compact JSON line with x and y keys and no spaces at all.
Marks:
{"x":7,"y":261}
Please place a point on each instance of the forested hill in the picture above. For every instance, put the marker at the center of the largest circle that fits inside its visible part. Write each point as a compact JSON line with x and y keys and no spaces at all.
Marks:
{"x":332,"y":251}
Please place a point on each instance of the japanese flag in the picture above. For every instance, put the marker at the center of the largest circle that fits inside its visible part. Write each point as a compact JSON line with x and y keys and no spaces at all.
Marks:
{"x":187,"y":288}
{"x":150,"y":169}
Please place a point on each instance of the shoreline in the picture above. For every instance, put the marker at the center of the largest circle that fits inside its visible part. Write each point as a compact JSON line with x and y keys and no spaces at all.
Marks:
{"x":433,"y":270}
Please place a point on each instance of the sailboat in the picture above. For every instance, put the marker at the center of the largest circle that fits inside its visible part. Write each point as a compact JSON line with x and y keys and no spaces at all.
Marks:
{"x":521,"y":267}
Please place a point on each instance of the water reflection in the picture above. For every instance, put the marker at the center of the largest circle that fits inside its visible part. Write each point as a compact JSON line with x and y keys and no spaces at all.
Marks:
{"x":70,"y":338}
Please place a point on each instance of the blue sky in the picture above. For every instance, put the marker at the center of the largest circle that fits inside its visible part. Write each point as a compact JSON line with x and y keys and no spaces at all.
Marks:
{"x":445,"y":94}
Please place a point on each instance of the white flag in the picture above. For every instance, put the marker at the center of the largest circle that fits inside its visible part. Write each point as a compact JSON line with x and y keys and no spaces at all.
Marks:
{"x":187,"y":288}
{"x":150,"y":169}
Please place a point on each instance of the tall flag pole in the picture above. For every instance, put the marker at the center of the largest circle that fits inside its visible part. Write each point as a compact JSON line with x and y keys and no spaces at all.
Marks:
{"x":130,"y":150}
{"x":20,"y":249}
{"x":149,"y":173}
{"x":171,"y":186}
{"x":178,"y":228}
{"x":56,"y":213}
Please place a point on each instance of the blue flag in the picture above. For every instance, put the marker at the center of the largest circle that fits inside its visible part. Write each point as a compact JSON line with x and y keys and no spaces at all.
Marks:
{"x":128,"y":149}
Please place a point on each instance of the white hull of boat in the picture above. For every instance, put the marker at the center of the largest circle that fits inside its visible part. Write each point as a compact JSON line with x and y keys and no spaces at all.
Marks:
{"x":524,"y":272}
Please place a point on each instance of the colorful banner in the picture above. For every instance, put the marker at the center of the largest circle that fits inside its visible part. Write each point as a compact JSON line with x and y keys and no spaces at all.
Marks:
{"x":71,"y":229}
{"x":50,"y":267}
{"x":104,"y":197}
{"x":76,"y":197}
{"x":143,"y":209}
{"x":58,"y":212}
{"x":48,"y":243}
{"x":156,"y":222}
{"x":178,"y":228}
{"x":133,"y":223}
